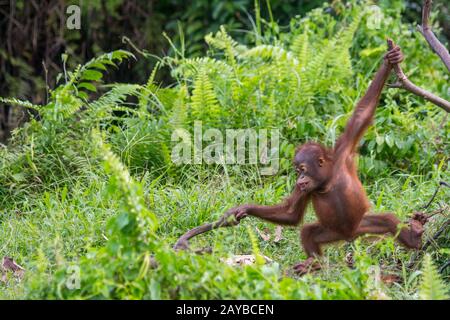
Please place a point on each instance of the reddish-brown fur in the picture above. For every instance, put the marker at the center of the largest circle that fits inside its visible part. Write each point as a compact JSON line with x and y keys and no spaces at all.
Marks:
{"x":329,"y":179}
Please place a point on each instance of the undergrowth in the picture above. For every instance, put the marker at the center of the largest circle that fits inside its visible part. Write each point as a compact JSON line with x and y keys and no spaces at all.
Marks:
{"x":89,"y":184}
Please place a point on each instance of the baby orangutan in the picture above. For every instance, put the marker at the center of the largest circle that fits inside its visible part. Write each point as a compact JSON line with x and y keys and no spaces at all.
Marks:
{"x":329,"y":179}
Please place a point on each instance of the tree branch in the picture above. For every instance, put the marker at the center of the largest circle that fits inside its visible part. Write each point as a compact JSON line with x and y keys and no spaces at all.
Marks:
{"x":183,"y":241}
{"x":428,"y":34}
{"x":405,"y":83}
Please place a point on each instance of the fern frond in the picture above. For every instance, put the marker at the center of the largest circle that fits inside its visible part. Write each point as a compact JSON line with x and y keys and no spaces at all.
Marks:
{"x":151,"y":79}
{"x":329,"y":61}
{"x":116,"y":95}
{"x":179,"y":112}
{"x":190,"y":67}
{"x":64,"y":103}
{"x":300,"y":49}
{"x":21,"y":103}
{"x":222,"y":41}
{"x":269,"y":52}
{"x":343,"y":40}
{"x":204,"y":104}
{"x":92,"y":71}
{"x":107,"y":59}
{"x":130,"y":193}
{"x":259,"y":260}
{"x":432,"y":286}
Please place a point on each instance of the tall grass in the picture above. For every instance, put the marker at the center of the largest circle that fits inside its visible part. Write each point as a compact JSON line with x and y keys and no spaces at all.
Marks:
{"x":90,"y":184}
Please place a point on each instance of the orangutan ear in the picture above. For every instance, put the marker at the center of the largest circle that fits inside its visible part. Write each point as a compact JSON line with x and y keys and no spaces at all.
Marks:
{"x":321,"y":161}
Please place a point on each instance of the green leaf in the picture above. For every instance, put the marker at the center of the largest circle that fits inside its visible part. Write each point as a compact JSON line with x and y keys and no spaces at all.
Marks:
{"x":122,"y":220}
{"x":389,"y":141}
{"x":83,"y":95}
{"x":87,"y":86}
{"x":97,"y":65}
{"x":92,"y":75}
{"x":399,"y":143}
{"x":380,"y":140}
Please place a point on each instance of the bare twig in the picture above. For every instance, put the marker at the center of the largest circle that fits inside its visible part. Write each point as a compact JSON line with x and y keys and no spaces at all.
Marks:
{"x":428,"y":34}
{"x":441,"y":211}
{"x":433,"y":238}
{"x":426,"y":217}
{"x":405,"y":83}
{"x":436,"y":235}
{"x":441,"y":183}
{"x":183,"y":241}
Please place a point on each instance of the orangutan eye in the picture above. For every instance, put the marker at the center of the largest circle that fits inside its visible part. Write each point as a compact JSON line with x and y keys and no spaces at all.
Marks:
{"x":321,"y":161}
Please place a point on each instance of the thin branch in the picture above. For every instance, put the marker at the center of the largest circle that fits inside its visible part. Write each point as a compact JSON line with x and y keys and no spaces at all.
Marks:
{"x":425,"y":218}
{"x":183,"y":241}
{"x":431,"y":240}
{"x":441,"y":183}
{"x":428,"y":34}
{"x":405,"y":83}
{"x":436,"y":235}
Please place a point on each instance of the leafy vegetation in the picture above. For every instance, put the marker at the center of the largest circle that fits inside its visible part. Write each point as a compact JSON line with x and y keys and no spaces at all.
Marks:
{"x":89,"y":183}
{"x":28,"y":68}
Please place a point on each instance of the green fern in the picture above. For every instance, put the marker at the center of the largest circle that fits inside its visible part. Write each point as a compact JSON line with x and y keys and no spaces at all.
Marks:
{"x":341,"y":59}
{"x":300,"y":48}
{"x":136,"y":223}
{"x":92,"y":71}
{"x":69,"y":98}
{"x":21,"y":103}
{"x":117,"y":95}
{"x":432,"y":286}
{"x":204,"y":104}
{"x":222,"y":41}
{"x":269,"y":52}
{"x":189,"y":67}
{"x":326,"y":63}
{"x":178,"y":117}
{"x":259,"y":260}
{"x":63,"y":103}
